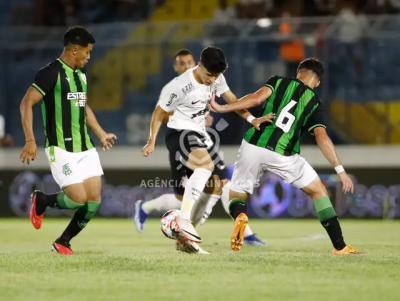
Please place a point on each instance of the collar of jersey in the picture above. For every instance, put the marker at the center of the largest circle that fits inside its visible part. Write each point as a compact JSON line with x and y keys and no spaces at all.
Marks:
{"x":65,"y":64}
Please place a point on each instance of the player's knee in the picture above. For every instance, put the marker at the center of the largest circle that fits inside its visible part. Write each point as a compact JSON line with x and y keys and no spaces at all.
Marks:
{"x":94,"y":196}
{"x":316,"y":189}
{"x":80,"y":198}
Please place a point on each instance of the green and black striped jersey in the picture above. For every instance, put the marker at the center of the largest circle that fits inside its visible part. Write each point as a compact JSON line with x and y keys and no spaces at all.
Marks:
{"x":297,"y":109}
{"x":63,"y":106}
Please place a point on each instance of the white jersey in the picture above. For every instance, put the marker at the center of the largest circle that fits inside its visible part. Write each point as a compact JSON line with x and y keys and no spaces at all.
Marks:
{"x":188,"y":99}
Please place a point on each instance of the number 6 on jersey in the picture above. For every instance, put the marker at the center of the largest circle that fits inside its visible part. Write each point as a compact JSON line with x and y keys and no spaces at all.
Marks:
{"x":285,"y":119}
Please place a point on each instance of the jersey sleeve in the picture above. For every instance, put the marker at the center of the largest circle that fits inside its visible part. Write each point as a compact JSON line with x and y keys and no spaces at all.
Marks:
{"x":170,"y":97}
{"x":222,"y":86}
{"x":45,"y":80}
{"x":271,"y":83}
{"x":316,"y":120}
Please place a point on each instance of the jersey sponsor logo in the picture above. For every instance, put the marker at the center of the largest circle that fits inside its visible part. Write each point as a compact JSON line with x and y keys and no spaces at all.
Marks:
{"x":188,"y":88}
{"x":79,"y":97}
{"x":171,"y":99}
{"x":76,"y":95}
{"x":201,"y":113}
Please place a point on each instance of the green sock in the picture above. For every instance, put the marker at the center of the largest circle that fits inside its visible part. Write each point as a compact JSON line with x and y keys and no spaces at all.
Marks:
{"x":236,"y":207}
{"x":82,"y":216}
{"x":324,"y":208}
{"x":64,"y":202}
{"x":327,"y":216}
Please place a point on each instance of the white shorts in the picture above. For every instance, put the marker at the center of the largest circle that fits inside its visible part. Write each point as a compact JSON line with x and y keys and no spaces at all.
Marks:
{"x":72,"y":168}
{"x":252,"y":161}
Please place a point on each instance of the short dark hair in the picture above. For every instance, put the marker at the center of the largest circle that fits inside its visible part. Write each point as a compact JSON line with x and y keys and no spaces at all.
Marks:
{"x":313,"y":65}
{"x":183,"y":51}
{"x":79,"y":36}
{"x":213,"y":59}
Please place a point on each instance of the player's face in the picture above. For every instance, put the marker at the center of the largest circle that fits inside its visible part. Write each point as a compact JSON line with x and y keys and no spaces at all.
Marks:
{"x":183,"y":63}
{"x":206,"y":77}
{"x":82,"y":55}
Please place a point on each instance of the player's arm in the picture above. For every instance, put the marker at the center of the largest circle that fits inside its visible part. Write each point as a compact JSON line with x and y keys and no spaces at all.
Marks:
{"x":166,"y":105}
{"x":32,"y":97}
{"x":44,"y":82}
{"x":163,"y":94}
{"x":325,"y":144}
{"x":106,"y":139}
{"x":244,"y":103}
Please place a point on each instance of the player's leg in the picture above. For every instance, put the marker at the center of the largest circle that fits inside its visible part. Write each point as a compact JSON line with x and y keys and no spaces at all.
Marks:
{"x":64,"y":169}
{"x":200,"y":162}
{"x":91,"y":171}
{"x":245,"y":175}
{"x":84,"y":214}
{"x":325,"y":212}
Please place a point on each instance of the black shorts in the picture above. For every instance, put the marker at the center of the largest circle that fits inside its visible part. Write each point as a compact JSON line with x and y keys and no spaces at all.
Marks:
{"x":180,"y":144}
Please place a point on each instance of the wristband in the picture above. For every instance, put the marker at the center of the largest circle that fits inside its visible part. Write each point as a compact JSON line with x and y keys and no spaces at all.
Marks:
{"x":339,"y":169}
{"x":29,"y":140}
{"x":250,"y":119}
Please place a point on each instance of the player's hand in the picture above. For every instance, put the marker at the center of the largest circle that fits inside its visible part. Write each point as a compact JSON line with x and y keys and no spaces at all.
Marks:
{"x":29,"y":152}
{"x":148,"y":148}
{"x":347,"y":183}
{"x":266,"y":118}
{"x":107,"y":141}
{"x":213,"y":106}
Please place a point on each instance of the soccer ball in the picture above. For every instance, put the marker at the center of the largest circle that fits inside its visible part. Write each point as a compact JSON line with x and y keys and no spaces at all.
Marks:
{"x":169,"y":224}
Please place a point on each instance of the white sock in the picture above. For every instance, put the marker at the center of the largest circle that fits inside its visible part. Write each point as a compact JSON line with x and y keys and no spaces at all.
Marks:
{"x":163,"y":203}
{"x":193,"y":189}
{"x":225,"y":196}
{"x":203,"y":208}
{"x":225,"y":202}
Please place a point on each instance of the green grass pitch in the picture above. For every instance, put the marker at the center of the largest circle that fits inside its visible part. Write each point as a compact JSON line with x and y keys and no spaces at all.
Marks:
{"x":113,"y":262}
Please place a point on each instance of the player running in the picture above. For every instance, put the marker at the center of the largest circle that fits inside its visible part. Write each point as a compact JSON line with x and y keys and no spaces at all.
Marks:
{"x":186,"y":139}
{"x":276,"y":148}
{"x":184,"y":60}
{"x":61,"y":87}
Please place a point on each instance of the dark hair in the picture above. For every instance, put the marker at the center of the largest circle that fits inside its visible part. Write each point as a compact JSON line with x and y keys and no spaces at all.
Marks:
{"x":79,"y":36}
{"x":313,"y":65}
{"x":213,"y":59}
{"x":183,"y":51}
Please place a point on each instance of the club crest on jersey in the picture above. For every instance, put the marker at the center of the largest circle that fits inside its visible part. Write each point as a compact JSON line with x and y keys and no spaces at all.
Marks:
{"x":188,"y":88}
{"x":83,"y":76}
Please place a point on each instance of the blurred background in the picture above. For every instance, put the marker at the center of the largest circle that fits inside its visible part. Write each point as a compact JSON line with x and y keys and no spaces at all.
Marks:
{"x":357,"y":40}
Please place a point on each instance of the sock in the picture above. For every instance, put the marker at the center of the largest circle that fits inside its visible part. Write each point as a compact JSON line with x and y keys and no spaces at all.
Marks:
{"x":57,"y":200}
{"x":236,"y":207}
{"x":225,"y":203}
{"x":163,"y":203}
{"x":225,"y":196}
{"x":194,"y":187}
{"x":81,"y":217}
{"x":327,"y":216}
{"x":203,"y":208}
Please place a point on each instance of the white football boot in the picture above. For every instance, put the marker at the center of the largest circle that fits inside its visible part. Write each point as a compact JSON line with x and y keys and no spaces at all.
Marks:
{"x":187,"y":246}
{"x":187,"y":230}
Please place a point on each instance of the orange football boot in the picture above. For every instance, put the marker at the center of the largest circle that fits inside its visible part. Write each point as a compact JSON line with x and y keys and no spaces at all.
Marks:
{"x":237,"y":237}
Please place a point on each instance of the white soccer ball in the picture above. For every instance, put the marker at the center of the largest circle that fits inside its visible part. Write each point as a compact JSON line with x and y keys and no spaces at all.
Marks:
{"x":169,"y":224}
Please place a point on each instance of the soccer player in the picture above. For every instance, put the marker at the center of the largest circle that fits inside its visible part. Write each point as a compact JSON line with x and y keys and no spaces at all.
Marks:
{"x":184,"y":60}
{"x":61,"y":87}
{"x":188,"y":96}
{"x":276,"y":148}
